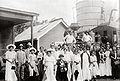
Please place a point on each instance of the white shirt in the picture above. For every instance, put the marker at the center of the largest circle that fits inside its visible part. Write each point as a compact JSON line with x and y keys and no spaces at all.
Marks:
{"x":70,"y":39}
{"x":87,"y":38}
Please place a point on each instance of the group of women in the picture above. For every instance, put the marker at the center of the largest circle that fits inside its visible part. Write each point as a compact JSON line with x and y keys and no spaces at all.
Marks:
{"x":61,"y":63}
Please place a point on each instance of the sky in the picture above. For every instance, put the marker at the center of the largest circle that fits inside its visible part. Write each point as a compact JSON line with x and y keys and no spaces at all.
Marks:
{"x":49,"y":9}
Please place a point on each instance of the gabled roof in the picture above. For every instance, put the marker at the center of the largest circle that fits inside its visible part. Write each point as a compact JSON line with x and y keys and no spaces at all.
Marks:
{"x":39,"y":31}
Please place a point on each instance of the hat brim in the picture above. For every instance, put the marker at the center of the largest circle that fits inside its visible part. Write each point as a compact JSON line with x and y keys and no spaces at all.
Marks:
{"x":33,"y":49}
{"x":12,"y":45}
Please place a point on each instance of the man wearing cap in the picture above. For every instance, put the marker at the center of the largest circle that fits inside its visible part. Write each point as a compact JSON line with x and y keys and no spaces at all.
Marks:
{"x":21,"y":58}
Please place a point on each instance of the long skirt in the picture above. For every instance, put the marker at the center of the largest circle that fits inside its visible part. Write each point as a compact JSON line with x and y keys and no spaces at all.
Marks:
{"x":10,"y":74}
{"x":108,"y":67}
{"x":102,"y":69}
{"x":49,"y":73}
{"x":78,"y":68}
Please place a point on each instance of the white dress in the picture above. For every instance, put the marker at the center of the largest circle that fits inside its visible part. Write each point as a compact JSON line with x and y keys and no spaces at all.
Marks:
{"x":68,"y":59}
{"x":94,"y":66}
{"x":108,"y":64}
{"x":9,"y":73}
{"x":32,"y":59}
{"x":49,"y":61}
{"x":77,"y":58}
{"x":85,"y":67}
{"x":102,"y":68}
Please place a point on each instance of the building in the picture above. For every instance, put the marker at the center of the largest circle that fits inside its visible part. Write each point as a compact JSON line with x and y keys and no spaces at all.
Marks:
{"x":109,"y":31}
{"x":90,"y":12}
{"x":9,"y":18}
{"x":44,"y":34}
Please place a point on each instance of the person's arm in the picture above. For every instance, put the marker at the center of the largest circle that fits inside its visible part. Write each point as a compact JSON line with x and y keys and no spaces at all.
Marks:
{"x":74,"y":40}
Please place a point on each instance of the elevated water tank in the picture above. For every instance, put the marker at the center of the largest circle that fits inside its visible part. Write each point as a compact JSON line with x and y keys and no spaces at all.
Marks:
{"x":89,"y":12}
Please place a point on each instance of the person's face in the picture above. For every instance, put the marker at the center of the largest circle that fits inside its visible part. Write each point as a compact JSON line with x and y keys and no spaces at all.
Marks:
{"x":61,"y":58}
{"x":114,"y":48}
{"x":108,"y":46}
{"x":93,"y":53}
{"x":21,"y":47}
{"x":11,"y":48}
{"x":49,"y":53}
{"x":32,"y":51}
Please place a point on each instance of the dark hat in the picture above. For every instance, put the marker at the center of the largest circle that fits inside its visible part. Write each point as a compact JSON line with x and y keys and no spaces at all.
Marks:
{"x":61,"y":55}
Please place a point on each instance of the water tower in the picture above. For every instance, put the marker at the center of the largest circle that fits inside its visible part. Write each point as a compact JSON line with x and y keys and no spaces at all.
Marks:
{"x":90,"y":12}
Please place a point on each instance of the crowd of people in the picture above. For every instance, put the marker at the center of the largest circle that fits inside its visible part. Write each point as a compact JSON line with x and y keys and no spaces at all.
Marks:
{"x":63,"y":62}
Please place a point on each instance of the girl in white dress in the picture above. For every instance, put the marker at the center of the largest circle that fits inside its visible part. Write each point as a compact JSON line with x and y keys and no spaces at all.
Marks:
{"x":49,"y":62}
{"x":94,"y":64}
{"x":10,"y":57}
{"x":102,"y":63}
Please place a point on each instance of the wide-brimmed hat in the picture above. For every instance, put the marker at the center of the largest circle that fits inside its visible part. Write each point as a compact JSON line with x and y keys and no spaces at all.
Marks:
{"x":107,"y":43}
{"x":21,"y":45}
{"x":11,"y":45}
{"x":32,"y":48}
{"x":61,"y":55}
{"x":50,"y":50}
{"x":29,"y":44}
{"x":118,"y":46}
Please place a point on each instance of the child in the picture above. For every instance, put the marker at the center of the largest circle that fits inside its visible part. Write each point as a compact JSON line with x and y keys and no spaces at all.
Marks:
{"x":102,"y":62}
{"x":61,"y":74}
{"x":93,"y":64}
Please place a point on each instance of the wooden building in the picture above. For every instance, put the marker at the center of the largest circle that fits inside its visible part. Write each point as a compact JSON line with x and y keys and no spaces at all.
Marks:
{"x":44,"y":34}
{"x":9,"y":18}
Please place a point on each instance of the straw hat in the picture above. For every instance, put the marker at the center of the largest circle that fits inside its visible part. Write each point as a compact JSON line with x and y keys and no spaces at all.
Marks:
{"x":10,"y":45}
{"x":50,"y":50}
{"x":21,"y":45}
{"x":32,"y":48}
{"x":29,"y":44}
{"x":107,"y":43}
{"x":118,"y":46}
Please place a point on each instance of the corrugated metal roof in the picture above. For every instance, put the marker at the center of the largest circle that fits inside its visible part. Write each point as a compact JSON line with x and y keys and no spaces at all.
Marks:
{"x":38,"y":31}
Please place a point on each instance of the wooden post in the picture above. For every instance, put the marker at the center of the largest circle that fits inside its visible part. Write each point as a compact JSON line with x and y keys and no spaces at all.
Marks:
{"x":32,"y":32}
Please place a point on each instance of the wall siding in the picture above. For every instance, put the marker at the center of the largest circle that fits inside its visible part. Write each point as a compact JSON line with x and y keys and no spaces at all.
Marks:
{"x":54,"y":35}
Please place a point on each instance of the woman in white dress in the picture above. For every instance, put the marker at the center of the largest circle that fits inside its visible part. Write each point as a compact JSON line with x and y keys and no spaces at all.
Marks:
{"x":10,"y":57}
{"x":76,"y":65}
{"x":68,"y":58}
{"x":49,"y":62}
{"x":86,"y":65}
{"x":32,"y":59}
{"x":108,"y":61}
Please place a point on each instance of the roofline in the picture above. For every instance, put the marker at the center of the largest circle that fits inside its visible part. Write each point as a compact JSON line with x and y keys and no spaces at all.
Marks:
{"x":18,"y":11}
{"x":64,"y":23}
